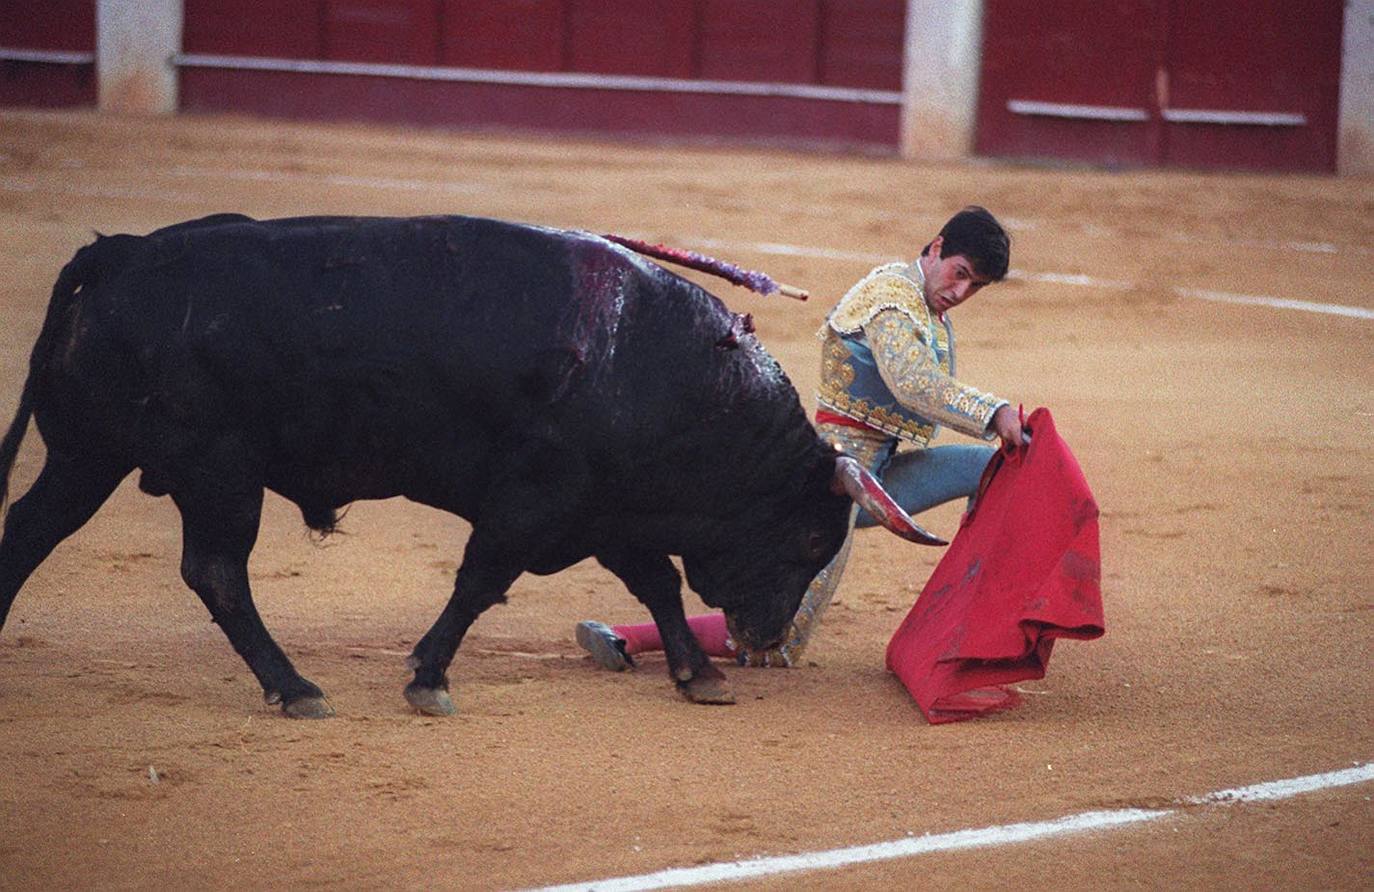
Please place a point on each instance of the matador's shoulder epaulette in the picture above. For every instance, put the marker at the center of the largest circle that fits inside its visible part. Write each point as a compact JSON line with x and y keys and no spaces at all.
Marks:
{"x":887,"y":287}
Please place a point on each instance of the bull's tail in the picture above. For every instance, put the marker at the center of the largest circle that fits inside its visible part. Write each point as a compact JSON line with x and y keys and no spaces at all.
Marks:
{"x":78,"y":272}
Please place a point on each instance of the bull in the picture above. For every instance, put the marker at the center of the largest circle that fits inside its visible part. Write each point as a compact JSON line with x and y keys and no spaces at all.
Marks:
{"x":565,"y":396}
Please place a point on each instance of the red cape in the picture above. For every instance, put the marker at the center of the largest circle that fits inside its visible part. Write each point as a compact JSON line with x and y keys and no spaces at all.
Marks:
{"x":1023,"y":570}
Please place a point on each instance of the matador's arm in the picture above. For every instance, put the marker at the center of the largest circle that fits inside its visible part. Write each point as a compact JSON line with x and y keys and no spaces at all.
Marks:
{"x":907,"y":365}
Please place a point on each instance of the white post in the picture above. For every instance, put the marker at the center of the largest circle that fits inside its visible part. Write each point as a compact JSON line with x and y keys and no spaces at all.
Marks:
{"x":1355,"y":125}
{"x":134,"y":44}
{"x":943,"y":53}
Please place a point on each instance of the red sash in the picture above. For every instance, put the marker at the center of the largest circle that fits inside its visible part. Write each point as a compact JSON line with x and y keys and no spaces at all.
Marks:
{"x":824,"y":416}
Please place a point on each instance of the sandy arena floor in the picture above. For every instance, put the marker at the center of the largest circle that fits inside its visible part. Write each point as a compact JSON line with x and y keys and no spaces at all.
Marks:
{"x":1230,"y":446}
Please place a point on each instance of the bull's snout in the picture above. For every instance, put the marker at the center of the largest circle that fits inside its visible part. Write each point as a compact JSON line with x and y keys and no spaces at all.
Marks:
{"x":750,"y":636}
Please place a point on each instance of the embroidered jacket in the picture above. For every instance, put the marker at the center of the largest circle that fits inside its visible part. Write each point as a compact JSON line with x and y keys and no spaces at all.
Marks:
{"x":886,"y":362}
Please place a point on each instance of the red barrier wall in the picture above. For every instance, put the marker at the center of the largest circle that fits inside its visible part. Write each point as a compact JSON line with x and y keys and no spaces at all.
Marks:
{"x":585,"y":112}
{"x":860,"y":44}
{"x":400,"y":31}
{"x":1245,"y":54}
{"x":829,"y":43}
{"x":525,"y":35}
{"x":1164,"y":59}
{"x":61,"y":25}
{"x":48,"y":25}
{"x":285,"y":30}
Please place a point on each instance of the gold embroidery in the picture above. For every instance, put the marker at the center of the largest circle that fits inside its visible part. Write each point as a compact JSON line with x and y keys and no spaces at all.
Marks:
{"x":921,"y":382}
{"x":835,"y":372}
{"x":884,"y":288}
{"x":913,"y":357}
{"x":837,"y":376}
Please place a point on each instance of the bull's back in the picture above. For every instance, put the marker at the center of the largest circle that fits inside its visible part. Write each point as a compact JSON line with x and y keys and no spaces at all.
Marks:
{"x":346,"y":347}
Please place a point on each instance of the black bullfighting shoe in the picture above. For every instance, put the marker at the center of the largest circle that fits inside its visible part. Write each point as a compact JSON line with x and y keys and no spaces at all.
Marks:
{"x":606,"y":647}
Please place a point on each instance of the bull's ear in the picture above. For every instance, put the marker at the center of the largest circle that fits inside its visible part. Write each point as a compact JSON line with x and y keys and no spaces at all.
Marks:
{"x":861,"y":486}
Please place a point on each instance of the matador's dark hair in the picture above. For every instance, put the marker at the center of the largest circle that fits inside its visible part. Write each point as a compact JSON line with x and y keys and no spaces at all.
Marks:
{"x":976,"y":234}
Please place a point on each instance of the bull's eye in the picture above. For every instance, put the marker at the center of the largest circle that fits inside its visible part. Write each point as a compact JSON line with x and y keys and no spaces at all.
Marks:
{"x":815,"y":546}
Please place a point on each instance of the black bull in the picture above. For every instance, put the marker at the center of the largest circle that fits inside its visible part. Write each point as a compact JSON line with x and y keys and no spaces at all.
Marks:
{"x":565,"y":396}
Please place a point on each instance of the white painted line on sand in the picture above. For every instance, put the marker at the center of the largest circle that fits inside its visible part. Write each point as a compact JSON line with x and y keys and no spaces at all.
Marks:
{"x":982,"y":837}
{"x":332,"y":179}
{"x":1319,"y":247}
{"x":1281,"y":303}
{"x":791,"y":250}
{"x":1075,"y":279}
{"x":1071,"y":279}
{"x":12,"y":184}
{"x":1293,"y":786}
{"x":16,"y":184}
{"x":1303,"y":248}
{"x":884,"y":851}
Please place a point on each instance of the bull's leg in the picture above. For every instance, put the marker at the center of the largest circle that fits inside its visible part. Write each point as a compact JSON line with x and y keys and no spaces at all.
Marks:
{"x":65,"y":495}
{"x":482,"y":581}
{"x":504,"y":542}
{"x":219,"y":523}
{"x":654,"y":580}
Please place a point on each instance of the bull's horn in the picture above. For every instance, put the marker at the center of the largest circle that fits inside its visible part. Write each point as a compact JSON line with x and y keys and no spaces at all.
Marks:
{"x":854,"y":479}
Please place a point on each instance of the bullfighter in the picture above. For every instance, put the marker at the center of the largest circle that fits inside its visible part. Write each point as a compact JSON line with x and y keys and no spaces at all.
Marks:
{"x":887,"y":378}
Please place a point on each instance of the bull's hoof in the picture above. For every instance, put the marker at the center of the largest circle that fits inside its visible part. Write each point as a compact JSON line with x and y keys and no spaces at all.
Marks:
{"x":430,"y":701}
{"x":704,"y":689}
{"x":308,"y":708}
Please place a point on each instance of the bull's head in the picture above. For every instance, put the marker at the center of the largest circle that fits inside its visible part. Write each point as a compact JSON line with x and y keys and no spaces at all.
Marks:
{"x":759,"y":578}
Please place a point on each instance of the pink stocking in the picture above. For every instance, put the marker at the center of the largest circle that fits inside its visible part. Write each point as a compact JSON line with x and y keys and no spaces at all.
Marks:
{"x":709,"y":630}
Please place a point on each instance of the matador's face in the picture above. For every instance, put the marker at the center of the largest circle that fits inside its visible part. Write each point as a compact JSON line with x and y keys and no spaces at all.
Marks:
{"x":949,"y":280}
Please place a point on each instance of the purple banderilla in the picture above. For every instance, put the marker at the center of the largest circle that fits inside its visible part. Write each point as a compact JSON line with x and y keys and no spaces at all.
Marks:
{"x":751,"y":279}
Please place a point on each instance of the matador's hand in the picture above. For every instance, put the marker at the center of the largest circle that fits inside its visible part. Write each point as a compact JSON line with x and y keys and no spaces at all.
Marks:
{"x":1006,"y":423}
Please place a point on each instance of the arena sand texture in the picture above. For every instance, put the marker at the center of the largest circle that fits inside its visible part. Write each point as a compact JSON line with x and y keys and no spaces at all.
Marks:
{"x":1230,"y":445}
